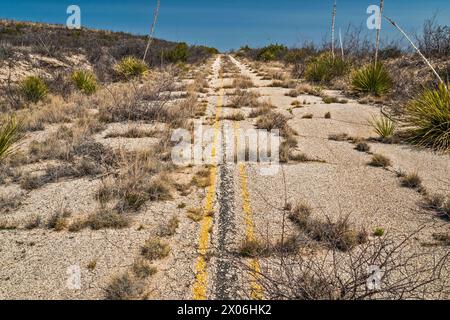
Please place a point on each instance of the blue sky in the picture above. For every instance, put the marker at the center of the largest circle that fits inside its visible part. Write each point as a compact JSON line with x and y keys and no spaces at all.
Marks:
{"x":227,"y":24}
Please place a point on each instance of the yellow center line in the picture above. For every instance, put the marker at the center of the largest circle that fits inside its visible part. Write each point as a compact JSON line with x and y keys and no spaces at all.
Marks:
{"x":201,"y":278}
{"x":256,"y":292}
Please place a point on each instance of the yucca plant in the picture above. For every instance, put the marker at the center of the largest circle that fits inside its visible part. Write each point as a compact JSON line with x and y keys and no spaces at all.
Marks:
{"x":9,"y":134}
{"x":33,"y":89}
{"x":383,"y":126}
{"x":130,"y":67}
{"x":325,"y":68}
{"x":372,"y":79}
{"x":428,"y":118}
{"x":85,"y":81}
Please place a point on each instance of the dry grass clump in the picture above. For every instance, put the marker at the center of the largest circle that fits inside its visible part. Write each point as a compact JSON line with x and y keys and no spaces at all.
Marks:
{"x":143,"y":269}
{"x":362,"y":147}
{"x":329,"y":100}
{"x":251,"y":248}
{"x":261,"y":110}
{"x":102,"y":219}
{"x":133,"y":133}
{"x":338,"y":235}
{"x":124,"y":287}
{"x":380,"y":161}
{"x":243,"y":82}
{"x":195,"y":214}
{"x":202,"y":178}
{"x":235,"y":116}
{"x":170,"y":228}
{"x":59,"y":220}
{"x":55,"y":110}
{"x":244,"y":98}
{"x":438,"y":204}
{"x":327,"y":115}
{"x":155,"y":249}
{"x":411,"y":180}
{"x":307,"y":116}
{"x":272,"y":120}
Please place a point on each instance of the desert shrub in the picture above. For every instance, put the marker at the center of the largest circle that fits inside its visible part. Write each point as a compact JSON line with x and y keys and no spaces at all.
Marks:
{"x":272,"y":52}
{"x":130,"y":67}
{"x":300,"y":215}
{"x":155,"y":249}
{"x":33,"y":89}
{"x":428,"y":117}
{"x":372,"y":79}
{"x":272,"y":120}
{"x":325,"y":68}
{"x":107,"y":219}
{"x":9,"y":134}
{"x":379,"y":160}
{"x":84,"y":81}
{"x":143,"y":269}
{"x":362,"y":147}
{"x":252,"y":248}
{"x":411,"y":180}
{"x":179,"y":54}
{"x":123,"y":287}
{"x":383,"y":126}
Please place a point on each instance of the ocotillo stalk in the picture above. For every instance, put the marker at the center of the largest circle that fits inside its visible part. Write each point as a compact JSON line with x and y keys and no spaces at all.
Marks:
{"x":379,"y":31}
{"x":152,"y":29}
{"x":332,"y":28}
{"x":415,"y":47}
{"x":342,"y":44}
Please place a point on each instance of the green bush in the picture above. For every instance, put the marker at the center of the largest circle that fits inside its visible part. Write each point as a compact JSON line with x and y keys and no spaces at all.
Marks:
{"x":272,"y":52}
{"x":325,"y":68}
{"x":383,"y":126}
{"x":9,"y":134}
{"x":130,"y":67}
{"x":179,"y":54}
{"x":33,"y":89}
{"x":372,"y":79}
{"x":85,"y":81}
{"x":428,"y":117}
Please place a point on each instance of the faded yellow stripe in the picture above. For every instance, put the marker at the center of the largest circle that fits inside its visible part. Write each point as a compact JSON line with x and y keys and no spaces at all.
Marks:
{"x":256,"y":289}
{"x":201,"y":270}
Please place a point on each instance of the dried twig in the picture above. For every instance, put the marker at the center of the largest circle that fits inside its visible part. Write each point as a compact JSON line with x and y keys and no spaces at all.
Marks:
{"x":152,"y":29}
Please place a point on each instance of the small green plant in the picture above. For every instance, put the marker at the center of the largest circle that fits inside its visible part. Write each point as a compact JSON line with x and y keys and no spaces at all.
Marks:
{"x":130,"y":67}
{"x":378,"y":232}
{"x":84,"y":81}
{"x":9,"y":134}
{"x":428,"y":116}
{"x":380,"y":161}
{"x":372,"y":79}
{"x":325,"y":68}
{"x":33,"y":89}
{"x":383,"y":126}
